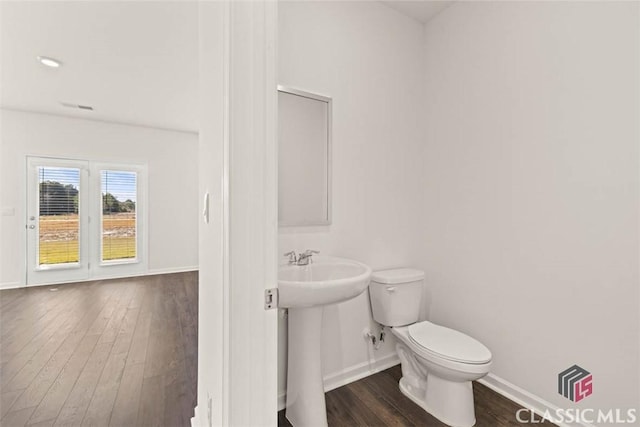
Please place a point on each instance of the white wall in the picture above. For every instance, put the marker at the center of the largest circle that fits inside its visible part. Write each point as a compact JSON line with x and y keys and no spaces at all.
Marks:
{"x":514,"y":184}
{"x":172,"y":175}
{"x":366,"y":57}
{"x":531,"y":189}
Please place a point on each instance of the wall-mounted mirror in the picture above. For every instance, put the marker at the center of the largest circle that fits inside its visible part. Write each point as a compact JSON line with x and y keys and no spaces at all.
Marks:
{"x":304,"y":158}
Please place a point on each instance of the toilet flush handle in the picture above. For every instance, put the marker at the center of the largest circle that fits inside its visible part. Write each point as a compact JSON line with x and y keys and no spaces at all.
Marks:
{"x":390,"y":288}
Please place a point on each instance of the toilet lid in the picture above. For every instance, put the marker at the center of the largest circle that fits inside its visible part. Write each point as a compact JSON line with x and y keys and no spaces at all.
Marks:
{"x":448,"y":343}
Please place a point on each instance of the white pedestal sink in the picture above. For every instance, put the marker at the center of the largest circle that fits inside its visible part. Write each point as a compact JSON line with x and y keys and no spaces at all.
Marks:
{"x":305,"y":290}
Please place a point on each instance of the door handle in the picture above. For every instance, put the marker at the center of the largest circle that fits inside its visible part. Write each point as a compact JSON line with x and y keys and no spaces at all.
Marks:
{"x":31,"y":227}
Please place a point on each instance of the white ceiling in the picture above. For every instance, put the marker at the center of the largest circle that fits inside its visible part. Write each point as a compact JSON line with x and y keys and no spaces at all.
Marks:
{"x":133,"y":62}
{"x":420,"y":10}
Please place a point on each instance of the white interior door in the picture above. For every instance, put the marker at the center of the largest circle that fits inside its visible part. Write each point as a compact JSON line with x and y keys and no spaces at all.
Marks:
{"x":237,"y":341}
{"x":57,"y":221}
{"x":253,"y":214}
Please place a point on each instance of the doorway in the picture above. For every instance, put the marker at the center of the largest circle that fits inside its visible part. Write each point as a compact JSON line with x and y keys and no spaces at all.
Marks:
{"x":57,"y":221}
{"x":85,"y":220}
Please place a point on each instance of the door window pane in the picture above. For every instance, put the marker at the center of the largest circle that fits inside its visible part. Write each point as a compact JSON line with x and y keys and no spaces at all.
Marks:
{"x":119,"y":222}
{"x":58,"y":208}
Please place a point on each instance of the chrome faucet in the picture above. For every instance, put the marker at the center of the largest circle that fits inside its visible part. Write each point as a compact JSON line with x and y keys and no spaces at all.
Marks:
{"x":292,"y":257}
{"x":305,"y":258}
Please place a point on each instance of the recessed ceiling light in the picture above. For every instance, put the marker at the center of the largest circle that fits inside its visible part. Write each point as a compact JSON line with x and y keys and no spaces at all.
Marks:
{"x":49,"y":62}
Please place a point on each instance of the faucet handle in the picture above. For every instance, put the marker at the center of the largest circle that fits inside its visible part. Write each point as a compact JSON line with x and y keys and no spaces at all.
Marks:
{"x":306,"y":257}
{"x":292,"y":257}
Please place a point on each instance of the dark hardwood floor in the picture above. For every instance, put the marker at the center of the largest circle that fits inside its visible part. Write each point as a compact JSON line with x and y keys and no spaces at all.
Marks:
{"x":125,"y":353}
{"x":112,"y":352}
{"x":377,"y":401}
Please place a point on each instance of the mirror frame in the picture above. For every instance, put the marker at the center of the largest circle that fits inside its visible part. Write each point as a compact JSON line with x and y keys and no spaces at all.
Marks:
{"x":329,"y":102}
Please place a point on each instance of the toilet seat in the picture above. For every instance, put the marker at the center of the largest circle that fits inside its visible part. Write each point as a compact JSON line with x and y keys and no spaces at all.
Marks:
{"x":448,"y":344}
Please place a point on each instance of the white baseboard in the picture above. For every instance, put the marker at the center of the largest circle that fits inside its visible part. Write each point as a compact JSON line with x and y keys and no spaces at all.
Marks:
{"x":10,"y":285}
{"x":170,"y":270}
{"x":154,"y":272}
{"x":349,"y":375}
{"x":523,"y":398}
{"x":195,"y":420}
{"x":362,"y":370}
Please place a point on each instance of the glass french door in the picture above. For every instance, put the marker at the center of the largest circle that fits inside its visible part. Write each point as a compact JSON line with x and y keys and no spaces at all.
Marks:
{"x":57,"y":220}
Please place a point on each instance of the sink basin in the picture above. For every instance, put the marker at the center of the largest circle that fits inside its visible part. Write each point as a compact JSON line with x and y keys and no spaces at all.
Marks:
{"x":305,"y":291}
{"x":327,"y":280}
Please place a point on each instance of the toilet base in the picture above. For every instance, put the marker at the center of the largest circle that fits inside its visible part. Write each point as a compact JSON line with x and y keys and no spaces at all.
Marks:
{"x":453,"y":405}
{"x":449,"y":400}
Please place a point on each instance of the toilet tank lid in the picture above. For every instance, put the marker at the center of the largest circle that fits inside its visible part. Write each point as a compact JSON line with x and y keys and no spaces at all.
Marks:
{"x":397,"y":276}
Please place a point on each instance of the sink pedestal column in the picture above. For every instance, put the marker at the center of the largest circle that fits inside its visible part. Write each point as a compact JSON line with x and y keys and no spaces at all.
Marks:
{"x":305,"y":390}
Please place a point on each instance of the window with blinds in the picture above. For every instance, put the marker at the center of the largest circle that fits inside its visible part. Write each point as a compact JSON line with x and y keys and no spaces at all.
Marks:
{"x":119,"y":221}
{"x":58,"y":208}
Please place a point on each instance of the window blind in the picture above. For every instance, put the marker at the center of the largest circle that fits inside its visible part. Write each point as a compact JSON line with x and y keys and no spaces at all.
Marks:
{"x":119,"y":221}
{"x":58,"y":207}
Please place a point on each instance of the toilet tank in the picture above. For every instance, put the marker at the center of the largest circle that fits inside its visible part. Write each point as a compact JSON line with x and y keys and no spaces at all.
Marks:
{"x":396,"y":296}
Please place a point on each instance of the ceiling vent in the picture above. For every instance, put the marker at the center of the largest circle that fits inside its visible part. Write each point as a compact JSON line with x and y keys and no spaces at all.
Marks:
{"x":77,"y":106}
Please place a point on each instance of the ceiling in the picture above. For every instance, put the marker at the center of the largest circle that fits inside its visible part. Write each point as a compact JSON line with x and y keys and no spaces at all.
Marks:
{"x":133,"y":62}
{"x":420,"y":10}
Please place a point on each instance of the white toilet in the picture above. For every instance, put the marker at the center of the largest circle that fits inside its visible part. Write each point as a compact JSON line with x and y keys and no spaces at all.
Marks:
{"x":438,"y":363}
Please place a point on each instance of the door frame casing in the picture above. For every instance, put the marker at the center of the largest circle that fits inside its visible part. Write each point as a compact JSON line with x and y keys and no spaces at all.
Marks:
{"x":90,"y":221}
{"x":35,"y":276}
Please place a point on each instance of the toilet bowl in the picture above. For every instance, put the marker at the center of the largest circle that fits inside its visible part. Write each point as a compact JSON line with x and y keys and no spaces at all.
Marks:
{"x":438,"y":363}
{"x":439,"y":380}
